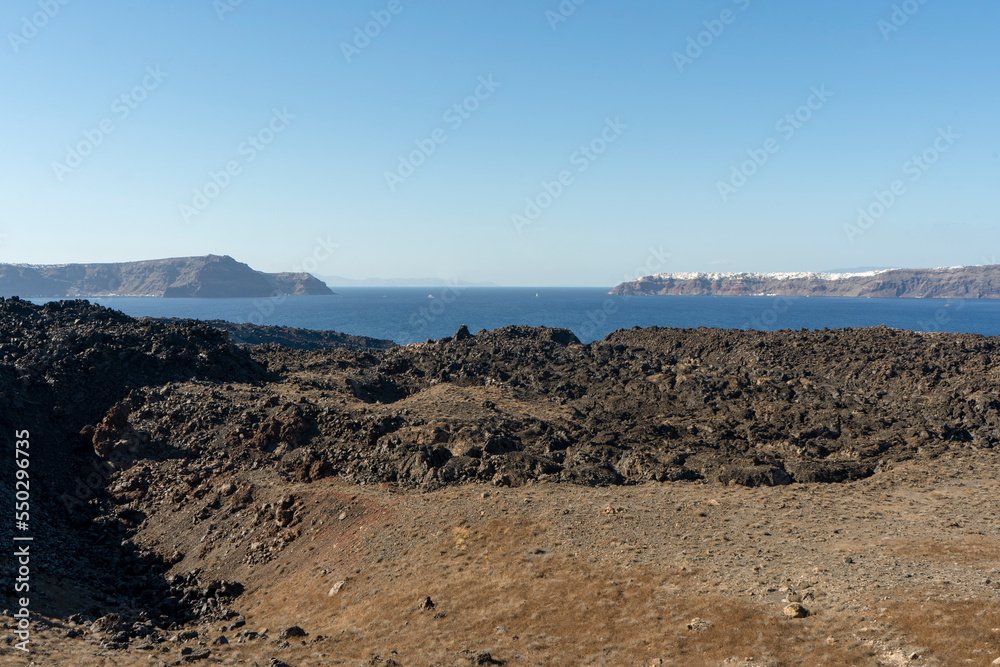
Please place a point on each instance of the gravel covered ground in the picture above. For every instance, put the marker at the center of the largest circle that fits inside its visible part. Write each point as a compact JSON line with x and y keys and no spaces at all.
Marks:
{"x":663,"y":495}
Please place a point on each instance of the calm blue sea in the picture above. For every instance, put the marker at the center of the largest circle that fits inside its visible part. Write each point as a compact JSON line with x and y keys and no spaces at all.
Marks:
{"x":410,"y":314}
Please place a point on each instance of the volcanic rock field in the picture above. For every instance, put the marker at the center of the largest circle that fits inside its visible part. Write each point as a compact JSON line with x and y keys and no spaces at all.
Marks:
{"x":229,"y":494}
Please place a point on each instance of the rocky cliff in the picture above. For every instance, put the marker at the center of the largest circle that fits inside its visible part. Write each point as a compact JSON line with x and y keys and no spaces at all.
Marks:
{"x":963,"y":282}
{"x":211,"y":276}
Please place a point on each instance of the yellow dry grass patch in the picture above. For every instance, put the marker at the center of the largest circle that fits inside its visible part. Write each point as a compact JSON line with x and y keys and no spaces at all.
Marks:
{"x":959,"y":549}
{"x":955,"y":632}
{"x":496,"y":590}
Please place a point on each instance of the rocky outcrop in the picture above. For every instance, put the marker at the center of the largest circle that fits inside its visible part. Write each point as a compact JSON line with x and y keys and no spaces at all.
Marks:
{"x":299,"y":339}
{"x":212,"y":276}
{"x":964,"y":282}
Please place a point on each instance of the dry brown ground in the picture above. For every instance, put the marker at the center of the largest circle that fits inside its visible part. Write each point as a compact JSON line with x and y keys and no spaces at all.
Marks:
{"x":899,"y":569}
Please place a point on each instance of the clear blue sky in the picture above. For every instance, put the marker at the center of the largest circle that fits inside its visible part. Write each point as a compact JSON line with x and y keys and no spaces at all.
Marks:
{"x":682,"y":127}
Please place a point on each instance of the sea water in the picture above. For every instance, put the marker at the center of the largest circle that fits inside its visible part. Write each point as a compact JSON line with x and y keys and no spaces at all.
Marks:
{"x":413,"y":314}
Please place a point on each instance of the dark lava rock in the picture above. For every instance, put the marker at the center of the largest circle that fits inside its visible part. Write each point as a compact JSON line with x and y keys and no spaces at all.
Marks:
{"x":194,"y":655}
{"x":828,"y":472}
{"x":741,"y":407}
{"x":110,"y":624}
{"x":71,"y":366}
{"x":174,"y":415}
{"x":292,"y":631}
{"x":295,"y":338}
{"x":758,"y":475}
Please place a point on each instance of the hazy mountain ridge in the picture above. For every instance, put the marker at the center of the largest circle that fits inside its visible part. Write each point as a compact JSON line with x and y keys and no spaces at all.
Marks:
{"x":340,"y":281}
{"x":962,"y":282}
{"x":211,"y":276}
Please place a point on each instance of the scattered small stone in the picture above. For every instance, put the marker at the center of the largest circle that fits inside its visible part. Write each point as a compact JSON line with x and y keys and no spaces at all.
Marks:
{"x":699,"y":624}
{"x":109,"y":624}
{"x":426,"y":604}
{"x":795,"y":610}
{"x":195,"y":654}
{"x":292,"y":631}
{"x":284,"y":517}
{"x":336,"y":588}
{"x":221,"y":640}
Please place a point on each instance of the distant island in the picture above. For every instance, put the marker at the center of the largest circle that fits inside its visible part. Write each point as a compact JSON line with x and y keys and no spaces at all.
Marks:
{"x":961,"y":282}
{"x":339,"y":281}
{"x":211,"y":276}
